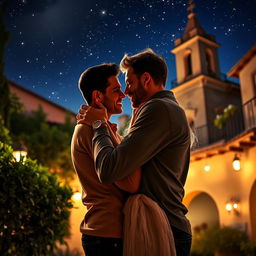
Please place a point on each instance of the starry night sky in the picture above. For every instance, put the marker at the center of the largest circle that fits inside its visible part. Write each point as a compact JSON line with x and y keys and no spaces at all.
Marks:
{"x":53,"y":41}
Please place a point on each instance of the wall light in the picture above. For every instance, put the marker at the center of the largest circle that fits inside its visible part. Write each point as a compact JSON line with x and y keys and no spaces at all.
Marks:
{"x":207,"y":168}
{"x":233,"y":206}
{"x":229,"y":207}
{"x":236,"y":163}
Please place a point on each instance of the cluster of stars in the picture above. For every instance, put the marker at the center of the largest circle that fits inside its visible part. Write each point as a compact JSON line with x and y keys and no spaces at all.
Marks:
{"x":97,"y":32}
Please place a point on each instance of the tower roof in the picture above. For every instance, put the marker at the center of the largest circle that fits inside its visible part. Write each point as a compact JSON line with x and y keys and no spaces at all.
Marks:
{"x":193,"y":27}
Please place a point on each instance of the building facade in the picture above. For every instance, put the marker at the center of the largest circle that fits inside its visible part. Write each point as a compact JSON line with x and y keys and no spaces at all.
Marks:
{"x":216,"y":193}
{"x":31,"y":101}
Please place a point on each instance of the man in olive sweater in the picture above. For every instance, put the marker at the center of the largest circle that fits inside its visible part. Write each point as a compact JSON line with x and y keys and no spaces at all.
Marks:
{"x":158,"y":141}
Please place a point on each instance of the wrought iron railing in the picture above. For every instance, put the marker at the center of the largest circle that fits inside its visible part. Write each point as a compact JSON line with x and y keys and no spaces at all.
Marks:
{"x":244,"y":119}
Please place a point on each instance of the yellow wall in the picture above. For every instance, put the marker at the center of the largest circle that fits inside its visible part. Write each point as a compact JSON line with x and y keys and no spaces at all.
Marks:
{"x":247,"y":76}
{"x":222,"y":183}
{"x":77,"y":215}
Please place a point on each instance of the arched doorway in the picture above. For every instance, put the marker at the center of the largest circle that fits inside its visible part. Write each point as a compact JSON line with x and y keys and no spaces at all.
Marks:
{"x":253,"y":211}
{"x":202,"y":210}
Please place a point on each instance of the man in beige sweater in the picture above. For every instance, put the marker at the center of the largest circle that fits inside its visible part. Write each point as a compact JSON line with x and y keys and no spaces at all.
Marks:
{"x":102,"y":225}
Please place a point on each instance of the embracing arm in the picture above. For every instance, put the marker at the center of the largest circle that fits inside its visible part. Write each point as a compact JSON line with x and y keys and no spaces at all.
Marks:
{"x":148,"y":136}
{"x":131,"y":183}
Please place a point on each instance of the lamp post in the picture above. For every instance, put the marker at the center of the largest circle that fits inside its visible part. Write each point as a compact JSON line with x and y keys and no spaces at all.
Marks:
{"x":20,"y":152}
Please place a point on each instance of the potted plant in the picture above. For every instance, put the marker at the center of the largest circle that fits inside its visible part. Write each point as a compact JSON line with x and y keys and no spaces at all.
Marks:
{"x":221,"y":119}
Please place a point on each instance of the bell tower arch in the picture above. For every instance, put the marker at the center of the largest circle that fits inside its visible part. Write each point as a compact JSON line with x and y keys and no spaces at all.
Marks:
{"x":200,"y":88}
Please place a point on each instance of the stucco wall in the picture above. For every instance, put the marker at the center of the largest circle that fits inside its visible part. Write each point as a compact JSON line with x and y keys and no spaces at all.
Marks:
{"x":31,"y":102}
{"x":223,"y":183}
{"x":247,"y":76}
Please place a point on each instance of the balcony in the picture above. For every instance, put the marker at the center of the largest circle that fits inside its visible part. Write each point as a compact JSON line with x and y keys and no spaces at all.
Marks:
{"x":244,"y":119}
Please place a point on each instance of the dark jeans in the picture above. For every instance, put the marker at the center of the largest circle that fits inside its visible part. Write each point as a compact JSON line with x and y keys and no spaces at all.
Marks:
{"x":182,"y":242}
{"x":101,"y":246}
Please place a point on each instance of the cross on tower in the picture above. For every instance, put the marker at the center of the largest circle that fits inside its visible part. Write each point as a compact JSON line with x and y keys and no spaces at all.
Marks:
{"x":191,"y":6}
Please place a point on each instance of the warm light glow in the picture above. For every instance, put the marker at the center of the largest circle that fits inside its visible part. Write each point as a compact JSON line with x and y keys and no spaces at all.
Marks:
{"x":20,"y":154}
{"x":77,"y":195}
{"x":229,"y":207}
{"x":207,"y":168}
{"x":235,"y":205}
{"x":236,"y":163}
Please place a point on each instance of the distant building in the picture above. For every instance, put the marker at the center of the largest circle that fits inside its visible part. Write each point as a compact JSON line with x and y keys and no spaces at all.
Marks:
{"x":31,"y":101}
{"x":123,"y":120}
{"x":245,"y":70}
{"x":215,"y":193}
{"x":123,"y":124}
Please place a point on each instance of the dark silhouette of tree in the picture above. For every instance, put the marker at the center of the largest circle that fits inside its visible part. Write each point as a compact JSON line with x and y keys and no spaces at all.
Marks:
{"x":4,"y":88}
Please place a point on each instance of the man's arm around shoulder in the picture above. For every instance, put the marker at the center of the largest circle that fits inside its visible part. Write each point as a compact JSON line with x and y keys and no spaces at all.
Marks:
{"x":147,"y":136}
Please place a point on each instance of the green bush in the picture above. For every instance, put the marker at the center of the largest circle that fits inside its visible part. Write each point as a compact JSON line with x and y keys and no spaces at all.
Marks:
{"x":4,"y":133}
{"x":223,"y":240}
{"x":49,"y":144}
{"x":34,"y":207}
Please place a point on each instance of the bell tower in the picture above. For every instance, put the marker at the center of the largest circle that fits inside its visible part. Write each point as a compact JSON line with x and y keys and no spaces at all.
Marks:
{"x":200,"y":87}
{"x":196,"y":52}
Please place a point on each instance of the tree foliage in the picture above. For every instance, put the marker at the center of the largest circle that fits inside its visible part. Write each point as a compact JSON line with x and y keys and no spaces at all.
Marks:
{"x":34,"y":207}
{"x":48,"y":143}
{"x":4,"y":88}
{"x":4,"y":133}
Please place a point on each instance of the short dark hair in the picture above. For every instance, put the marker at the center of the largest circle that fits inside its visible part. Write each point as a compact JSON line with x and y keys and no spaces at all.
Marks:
{"x":146,"y":61}
{"x":96,"y":78}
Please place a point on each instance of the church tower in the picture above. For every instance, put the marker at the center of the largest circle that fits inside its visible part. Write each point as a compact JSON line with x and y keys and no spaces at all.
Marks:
{"x":200,"y":88}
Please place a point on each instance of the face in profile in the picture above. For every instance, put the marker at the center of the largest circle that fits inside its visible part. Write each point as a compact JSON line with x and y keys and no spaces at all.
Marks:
{"x":112,"y":98}
{"x":134,"y":89}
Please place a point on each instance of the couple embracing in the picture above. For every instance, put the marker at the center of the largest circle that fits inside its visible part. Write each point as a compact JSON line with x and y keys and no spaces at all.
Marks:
{"x":133,"y":186}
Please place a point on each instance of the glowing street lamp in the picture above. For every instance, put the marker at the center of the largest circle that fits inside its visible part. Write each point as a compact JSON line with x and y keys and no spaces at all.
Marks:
{"x":20,"y":152}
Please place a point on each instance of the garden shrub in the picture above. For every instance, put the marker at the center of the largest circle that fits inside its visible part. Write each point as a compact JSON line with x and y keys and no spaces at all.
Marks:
{"x":34,"y":207}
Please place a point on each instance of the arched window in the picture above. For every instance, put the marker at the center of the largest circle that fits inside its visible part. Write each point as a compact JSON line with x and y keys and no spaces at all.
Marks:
{"x":209,"y":62}
{"x":188,"y":63}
